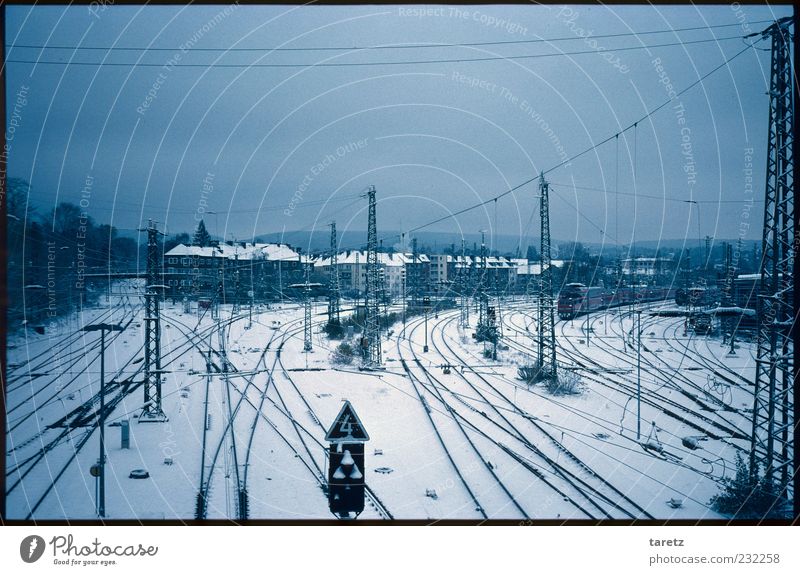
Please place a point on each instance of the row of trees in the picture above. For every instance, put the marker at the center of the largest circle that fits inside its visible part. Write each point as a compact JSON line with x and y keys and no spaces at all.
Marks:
{"x":50,"y":253}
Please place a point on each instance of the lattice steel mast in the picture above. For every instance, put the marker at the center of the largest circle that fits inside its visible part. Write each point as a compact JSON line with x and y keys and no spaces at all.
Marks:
{"x":307,"y":309}
{"x":464,"y":322}
{"x":334,"y":297}
{"x":372,"y":336}
{"x":771,"y":450}
{"x":547,"y":333}
{"x":415,"y":280}
{"x":152,"y":410}
{"x":236,"y":303}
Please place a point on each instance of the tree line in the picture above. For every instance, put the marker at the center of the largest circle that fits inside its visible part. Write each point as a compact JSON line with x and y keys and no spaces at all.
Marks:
{"x":49,"y":254}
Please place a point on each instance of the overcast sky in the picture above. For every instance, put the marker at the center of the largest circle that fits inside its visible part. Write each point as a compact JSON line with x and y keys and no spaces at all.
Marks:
{"x":292,"y":147}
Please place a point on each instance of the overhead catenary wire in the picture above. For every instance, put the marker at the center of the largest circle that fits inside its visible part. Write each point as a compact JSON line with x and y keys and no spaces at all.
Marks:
{"x":327,"y":64}
{"x":651,"y":196}
{"x":587,"y":150}
{"x":414,"y":46}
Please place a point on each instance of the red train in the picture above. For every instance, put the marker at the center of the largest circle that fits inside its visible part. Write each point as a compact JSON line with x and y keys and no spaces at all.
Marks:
{"x":576,"y":299}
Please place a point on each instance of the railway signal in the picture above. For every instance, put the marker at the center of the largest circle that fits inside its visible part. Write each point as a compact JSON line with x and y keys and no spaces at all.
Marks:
{"x":346,"y":482}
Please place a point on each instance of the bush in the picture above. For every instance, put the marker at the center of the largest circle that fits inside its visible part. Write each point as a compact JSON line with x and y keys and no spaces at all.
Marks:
{"x":747,"y":496}
{"x":343,"y":354}
{"x":565,"y":383}
{"x":334,"y":330}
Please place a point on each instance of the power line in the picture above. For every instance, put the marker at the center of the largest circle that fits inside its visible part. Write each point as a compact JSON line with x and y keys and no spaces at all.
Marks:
{"x":654,"y":197}
{"x":379,"y":63}
{"x":381,"y":46}
{"x":586,"y":151}
{"x":651,"y":112}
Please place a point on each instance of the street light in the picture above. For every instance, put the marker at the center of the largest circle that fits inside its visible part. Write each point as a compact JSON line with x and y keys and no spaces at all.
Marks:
{"x":101,"y":493}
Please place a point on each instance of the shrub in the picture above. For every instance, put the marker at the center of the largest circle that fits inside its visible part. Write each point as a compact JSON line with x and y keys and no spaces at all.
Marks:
{"x":334,"y":330}
{"x":747,"y":496}
{"x":565,"y":383}
{"x":343,"y":354}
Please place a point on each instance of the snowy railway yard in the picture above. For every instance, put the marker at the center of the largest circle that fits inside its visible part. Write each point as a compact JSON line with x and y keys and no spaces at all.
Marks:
{"x":453,"y":435}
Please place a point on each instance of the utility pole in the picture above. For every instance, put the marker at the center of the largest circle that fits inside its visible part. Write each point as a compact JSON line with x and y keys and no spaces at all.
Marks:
{"x":484,"y":330}
{"x":727,"y":297}
{"x":307,"y":312}
{"x":152,"y":411}
{"x":547,"y":331}
{"x":415,"y":274}
{"x":334,"y":297}
{"x":236,"y":305}
{"x":709,"y":239}
{"x":220,"y":289}
{"x":101,"y":417}
{"x":202,"y":494}
{"x":426,"y":307}
{"x":638,"y":374}
{"x":463,"y":275}
{"x":771,"y":449}
{"x":372,"y":337}
{"x":252,"y":291}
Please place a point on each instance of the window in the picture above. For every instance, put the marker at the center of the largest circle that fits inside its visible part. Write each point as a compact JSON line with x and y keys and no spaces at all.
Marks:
{"x":185,"y":261}
{"x":172,"y":260}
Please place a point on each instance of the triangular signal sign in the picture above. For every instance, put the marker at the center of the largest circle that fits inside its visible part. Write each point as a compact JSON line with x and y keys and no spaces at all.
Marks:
{"x":347,"y":427}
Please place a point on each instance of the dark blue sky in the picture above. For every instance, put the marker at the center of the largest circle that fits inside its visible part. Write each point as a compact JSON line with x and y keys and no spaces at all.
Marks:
{"x":272,"y":148}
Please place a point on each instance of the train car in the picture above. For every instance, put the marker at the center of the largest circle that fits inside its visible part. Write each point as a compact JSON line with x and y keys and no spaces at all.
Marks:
{"x":576,"y":299}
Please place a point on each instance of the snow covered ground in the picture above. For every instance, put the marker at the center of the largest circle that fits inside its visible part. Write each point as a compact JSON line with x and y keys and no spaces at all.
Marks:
{"x":474,"y":443}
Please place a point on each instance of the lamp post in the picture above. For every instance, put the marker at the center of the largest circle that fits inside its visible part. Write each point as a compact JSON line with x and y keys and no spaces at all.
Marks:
{"x":101,"y":493}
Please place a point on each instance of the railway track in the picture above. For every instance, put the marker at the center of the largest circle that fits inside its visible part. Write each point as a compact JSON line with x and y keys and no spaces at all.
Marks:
{"x":86,"y":418}
{"x":592,"y":368}
{"x":305,"y":453}
{"x":615,"y":383}
{"x":599,"y":496}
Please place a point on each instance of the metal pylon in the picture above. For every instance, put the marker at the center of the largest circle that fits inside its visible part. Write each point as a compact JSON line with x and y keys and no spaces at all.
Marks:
{"x":372,"y":337}
{"x":462,"y":272}
{"x":547,"y":332}
{"x":334,"y":296}
{"x":236,"y":303}
{"x":307,"y":312}
{"x":771,"y":441}
{"x":152,"y":410}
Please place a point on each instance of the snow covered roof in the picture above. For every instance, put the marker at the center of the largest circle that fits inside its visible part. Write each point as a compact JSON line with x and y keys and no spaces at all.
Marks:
{"x":244,"y":251}
{"x":536,"y":269}
{"x":389,"y":260}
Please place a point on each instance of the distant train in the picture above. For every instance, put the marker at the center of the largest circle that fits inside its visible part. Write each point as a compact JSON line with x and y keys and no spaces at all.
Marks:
{"x":698,"y":296}
{"x":576,"y":299}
